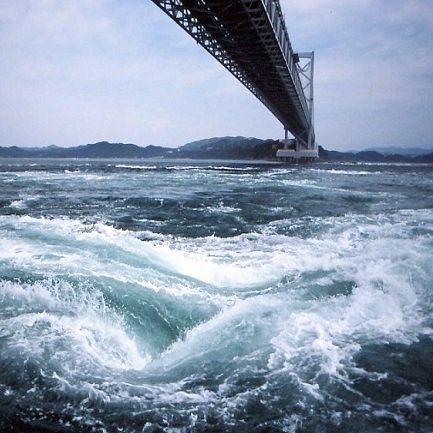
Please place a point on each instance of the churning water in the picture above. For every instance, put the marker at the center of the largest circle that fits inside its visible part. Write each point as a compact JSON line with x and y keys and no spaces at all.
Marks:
{"x":211,"y":297}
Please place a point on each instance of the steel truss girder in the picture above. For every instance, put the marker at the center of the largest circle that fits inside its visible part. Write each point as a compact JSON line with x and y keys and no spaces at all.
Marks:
{"x":306,"y":72}
{"x":249,"y":38}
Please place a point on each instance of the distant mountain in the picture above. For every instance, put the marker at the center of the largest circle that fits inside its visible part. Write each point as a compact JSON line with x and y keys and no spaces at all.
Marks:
{"x":371,"y":156}
{"x":102,"y":149}
{"x":220,"y":142}
{"x":229,"y":148}
{"x":105,"y":149}
{"x":407,"y":151}
{"x":210,"y":148}
{"x":216,"y":148}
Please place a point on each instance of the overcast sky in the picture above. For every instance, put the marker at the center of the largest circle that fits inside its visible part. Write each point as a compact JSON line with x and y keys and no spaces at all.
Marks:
{"x":80,"y":71}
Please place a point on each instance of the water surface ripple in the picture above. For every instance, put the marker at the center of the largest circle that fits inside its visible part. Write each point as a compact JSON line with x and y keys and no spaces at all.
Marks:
{"x":149,"y":296}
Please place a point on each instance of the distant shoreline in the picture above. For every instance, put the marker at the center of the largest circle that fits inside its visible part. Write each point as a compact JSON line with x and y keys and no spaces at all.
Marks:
{"x":218,"y":148}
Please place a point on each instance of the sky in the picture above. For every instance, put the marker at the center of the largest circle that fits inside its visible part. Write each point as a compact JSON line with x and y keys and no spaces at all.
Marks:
{"x":79,"y":71}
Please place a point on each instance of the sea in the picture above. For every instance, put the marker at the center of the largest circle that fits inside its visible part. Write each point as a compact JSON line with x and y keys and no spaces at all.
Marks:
{"x":215,"y":296}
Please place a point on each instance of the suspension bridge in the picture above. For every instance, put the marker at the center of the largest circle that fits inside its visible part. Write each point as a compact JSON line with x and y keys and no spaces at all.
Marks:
{"x":250,"y":39}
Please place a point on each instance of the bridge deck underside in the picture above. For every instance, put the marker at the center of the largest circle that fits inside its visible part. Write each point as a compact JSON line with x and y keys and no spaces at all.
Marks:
{"x":240,"y":35}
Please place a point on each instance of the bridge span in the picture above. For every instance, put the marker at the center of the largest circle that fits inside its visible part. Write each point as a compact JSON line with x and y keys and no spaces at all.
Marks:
{"x":250,"y":39}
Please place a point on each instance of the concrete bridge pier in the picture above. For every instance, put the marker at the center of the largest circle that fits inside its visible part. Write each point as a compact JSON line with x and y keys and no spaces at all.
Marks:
{"x":293,"y":150}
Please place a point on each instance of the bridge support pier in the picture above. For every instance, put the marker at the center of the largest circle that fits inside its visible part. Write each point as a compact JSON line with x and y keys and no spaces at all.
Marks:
{"x":286,"y":138}
{"x":294,"y":150}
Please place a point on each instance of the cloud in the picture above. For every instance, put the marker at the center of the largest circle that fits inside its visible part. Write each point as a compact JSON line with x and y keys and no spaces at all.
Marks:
{"x":373,"y":69}
{"x":77,"y":71}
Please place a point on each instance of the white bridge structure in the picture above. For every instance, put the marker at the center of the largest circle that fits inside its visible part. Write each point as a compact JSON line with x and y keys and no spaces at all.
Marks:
{"x":250,"y":39}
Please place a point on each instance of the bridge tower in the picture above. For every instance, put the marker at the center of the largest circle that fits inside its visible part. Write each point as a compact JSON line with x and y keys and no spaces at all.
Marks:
{"x":298,"y":148}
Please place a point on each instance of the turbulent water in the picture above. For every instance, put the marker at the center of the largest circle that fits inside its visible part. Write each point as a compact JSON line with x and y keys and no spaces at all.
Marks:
{"x":215,"y":297}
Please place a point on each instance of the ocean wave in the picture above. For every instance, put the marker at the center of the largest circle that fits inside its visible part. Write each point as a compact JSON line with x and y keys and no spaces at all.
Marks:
{"x":137,"y":167}
{"x":110,"y":324}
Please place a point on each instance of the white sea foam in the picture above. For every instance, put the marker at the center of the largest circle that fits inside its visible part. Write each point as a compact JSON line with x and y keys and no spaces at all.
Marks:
{"x":237,"y":330}
{"x":23,"y":201}
{"x":215,"y":266}
{"x":243,"y":261}
{"x":90,"y":253}
{"x":378,"y":254}
{"x":58,"y":319}
{"x":137,"y":167}
{"x":221,"y":208}
{"x":211,"y":167}
{"x":310,"y":313}
{"x":384,"y":307}
{"x":348,"y":172}
{"x":19,"y":204}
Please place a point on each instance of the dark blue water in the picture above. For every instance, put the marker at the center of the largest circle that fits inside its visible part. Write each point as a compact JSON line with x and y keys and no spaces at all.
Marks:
{"x":215,"y":297}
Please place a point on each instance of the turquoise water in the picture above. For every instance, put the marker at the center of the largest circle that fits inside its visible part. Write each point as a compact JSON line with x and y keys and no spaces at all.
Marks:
{"x":215,"y":297}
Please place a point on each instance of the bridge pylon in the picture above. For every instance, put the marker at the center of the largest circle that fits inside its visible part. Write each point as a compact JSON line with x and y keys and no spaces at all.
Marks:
{"x":302,"y":146}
